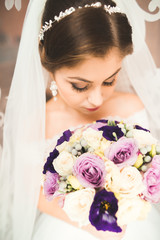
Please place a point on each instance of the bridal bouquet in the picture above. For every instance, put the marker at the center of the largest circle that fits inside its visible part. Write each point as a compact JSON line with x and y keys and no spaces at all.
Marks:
{"x":107,"y":174}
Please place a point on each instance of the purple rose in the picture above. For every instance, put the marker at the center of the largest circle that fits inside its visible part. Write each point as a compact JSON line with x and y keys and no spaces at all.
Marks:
{"x":50,"y":185}
{"x":156,"y":161}
{"x":90,"y":170}
{"x":124,"y":152}
{"x":152,"y":183}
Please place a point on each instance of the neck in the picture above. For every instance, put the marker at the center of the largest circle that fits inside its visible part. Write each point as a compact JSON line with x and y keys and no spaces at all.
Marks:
{"x":79,"y":116}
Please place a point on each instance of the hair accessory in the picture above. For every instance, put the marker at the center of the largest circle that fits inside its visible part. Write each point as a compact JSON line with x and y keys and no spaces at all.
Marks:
{"x":54,"y":89}
{"x":44,"y":28}
{"x":67,"y":12}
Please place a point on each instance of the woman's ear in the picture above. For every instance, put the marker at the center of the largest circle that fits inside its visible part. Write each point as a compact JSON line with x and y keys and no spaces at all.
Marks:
{"x":52,"y":77}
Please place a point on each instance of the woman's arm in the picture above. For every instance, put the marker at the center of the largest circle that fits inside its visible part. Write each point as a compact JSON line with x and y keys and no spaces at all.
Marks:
{"x":53,"y":208}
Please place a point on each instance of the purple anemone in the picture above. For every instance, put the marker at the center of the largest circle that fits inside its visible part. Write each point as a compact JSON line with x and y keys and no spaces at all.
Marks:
{"x":65,"y":137}
{"x":48,"y":165}
{"x":111,"y":133}
{"x":140,"y":128}
{"x":103,"y":210}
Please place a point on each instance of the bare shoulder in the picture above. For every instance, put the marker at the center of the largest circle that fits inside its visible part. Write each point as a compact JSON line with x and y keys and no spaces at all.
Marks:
{"x":126,"y":104}
{"x":130,"y":100}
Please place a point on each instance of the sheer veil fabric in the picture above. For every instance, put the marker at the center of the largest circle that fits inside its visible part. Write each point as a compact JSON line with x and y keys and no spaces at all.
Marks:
{"x":24,"y":124}
{"x":24,"y":134}
{"x":140,"y":68}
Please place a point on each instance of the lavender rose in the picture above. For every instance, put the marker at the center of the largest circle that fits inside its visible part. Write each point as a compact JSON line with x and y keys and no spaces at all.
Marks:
{"x":152,"y":183}
{"x":156,"y":161}
{"x":97,"y":125}
{"x":50,"y":185}
{"x":123,"y":152}
{"x":90,"y":170}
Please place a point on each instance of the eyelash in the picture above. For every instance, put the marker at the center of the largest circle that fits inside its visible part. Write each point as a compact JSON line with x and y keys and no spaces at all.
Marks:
{"x":79,"y":89}
{"x":86,"y":88}
{"x":109,"y":83}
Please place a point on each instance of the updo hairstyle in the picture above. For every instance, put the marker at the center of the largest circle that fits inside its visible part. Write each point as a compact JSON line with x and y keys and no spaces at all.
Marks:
{"x":87,"y":31}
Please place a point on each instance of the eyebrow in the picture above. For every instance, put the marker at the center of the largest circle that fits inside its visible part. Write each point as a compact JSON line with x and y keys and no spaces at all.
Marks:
{"x":85,"y":80}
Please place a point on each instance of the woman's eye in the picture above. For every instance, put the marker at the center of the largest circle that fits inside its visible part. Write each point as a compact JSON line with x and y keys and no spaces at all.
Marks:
{"x":78,"y":88}
{"x":109,"y":83}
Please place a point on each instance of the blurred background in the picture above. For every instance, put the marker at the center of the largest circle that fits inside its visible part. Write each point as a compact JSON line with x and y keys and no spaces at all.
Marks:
{"x":10,"y":32}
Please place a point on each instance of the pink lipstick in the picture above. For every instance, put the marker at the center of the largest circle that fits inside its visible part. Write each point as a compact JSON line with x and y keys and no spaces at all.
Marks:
{"x":92,"y":109}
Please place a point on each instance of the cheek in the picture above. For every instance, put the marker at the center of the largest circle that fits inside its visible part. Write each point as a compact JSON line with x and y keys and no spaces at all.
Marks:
{"x":70,"y":96}
{"x":108,"y":91}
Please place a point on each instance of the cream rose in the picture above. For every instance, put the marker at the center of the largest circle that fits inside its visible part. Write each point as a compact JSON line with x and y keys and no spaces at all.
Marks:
{"x":125,"y":183}
{"x":104,"y":144}
{"x":62,"y":147}
{"x":113,"y":177}
{"x":77,"y":205}
{"x":146,"y":207}
{"x":63,"y":164}
{"x":143,"y":138}
{"x":76,"y":136}
{"x":131,"y":183}
{"x":93,"y":137}
{"x":130,"y":210}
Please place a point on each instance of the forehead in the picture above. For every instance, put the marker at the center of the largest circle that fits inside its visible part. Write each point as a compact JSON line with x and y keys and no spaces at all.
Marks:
{"x":93,"y":68}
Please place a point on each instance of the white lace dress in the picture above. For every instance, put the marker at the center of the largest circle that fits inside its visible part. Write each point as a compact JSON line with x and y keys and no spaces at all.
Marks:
{"x":50,"y":228}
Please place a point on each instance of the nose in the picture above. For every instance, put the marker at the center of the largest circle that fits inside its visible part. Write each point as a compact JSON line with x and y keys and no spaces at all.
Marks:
{"x":95,"y":97}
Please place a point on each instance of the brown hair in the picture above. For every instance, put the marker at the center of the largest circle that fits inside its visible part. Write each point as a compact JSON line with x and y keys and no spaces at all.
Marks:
{"x":87,"y":31}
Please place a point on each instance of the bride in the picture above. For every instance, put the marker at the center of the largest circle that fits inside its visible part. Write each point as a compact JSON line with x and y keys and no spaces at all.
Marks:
{"x":83,"y":51}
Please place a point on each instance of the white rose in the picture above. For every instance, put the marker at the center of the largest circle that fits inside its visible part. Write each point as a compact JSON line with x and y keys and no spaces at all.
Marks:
{"x":143,"y":138}
{"x":77,"y":205}
{"x":62,"y":147}
{"x":146,"y":207}
{"x":76,"y":136}
{"x":104,"y":144}
{"x":130,"y":210}
{"x":93,"y":137}
{"x":131,"y":183}
{"x":113,"y":177}
{"x":63,"y":164}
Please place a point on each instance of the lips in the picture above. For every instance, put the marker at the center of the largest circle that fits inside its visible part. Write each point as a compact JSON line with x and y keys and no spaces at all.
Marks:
{"x":92,"y":109}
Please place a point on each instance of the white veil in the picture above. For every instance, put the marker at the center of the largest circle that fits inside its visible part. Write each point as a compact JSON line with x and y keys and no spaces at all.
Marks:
{"x":24,"y":123}
{"x":140,"y":68}
{"x":24,"y":133}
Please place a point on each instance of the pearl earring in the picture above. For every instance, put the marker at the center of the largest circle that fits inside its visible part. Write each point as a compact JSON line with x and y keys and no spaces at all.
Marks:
{"x":53,"y":89}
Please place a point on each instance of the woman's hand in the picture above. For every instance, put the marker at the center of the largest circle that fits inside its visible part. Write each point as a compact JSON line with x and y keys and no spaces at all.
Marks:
{"x":53,"y":208}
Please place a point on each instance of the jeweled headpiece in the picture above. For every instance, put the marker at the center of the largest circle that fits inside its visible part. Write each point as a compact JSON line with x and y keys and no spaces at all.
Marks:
{"x":67,"y":12}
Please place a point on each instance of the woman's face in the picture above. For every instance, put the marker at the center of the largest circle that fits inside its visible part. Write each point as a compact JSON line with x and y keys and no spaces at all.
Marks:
{"x":87,"y":86}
